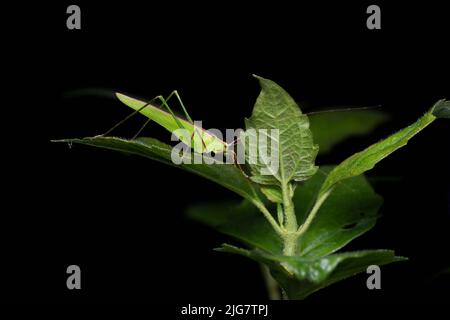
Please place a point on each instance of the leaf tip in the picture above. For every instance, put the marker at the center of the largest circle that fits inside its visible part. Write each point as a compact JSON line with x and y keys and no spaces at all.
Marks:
{"x":441,"y":109}
{"x":64,"y":140}
{"x":223,"y":248}
{"x":262,"y":81}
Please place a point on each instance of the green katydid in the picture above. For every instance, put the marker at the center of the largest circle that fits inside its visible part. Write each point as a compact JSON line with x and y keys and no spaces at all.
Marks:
{"x":196,"y":137}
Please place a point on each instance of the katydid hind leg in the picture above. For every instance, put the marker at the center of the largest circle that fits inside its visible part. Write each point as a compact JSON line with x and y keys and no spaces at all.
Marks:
{"x":128,"y":117}
{"x":166,"y":105}
{"x":175,"y":93}
{"x":142,"y":128}
{"x":188,"y":117}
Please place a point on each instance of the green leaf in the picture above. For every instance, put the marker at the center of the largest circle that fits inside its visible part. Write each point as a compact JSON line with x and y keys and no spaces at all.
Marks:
{"x":342,"y":265}
{"x":275,"y":109}
{"x":365,"y":160}
{"x":299,"y":276}
{"x":272,"y":193}
{"x":241,"y":221}
{"x":226,"y":175}
{"x":350,"y":211}
{"x":331,"y":128}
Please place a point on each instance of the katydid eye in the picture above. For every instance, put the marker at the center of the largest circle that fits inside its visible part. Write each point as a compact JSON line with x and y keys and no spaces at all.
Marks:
{"x":213,"y":153}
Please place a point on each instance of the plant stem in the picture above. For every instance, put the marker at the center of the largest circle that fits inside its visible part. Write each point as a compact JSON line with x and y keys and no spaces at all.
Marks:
{"x":290,"y":232}
{"x":290,"y":237}
{"x":273,"y":290}
{"x":280,"y":214}
{"x":302,"y":229}
{"x":288,"y":206}
{"x":290,"y":243}
{"x":269,"y":217}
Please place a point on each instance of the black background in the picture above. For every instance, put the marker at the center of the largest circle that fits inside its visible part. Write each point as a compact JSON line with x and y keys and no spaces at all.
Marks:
{"x":120,"y":218}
